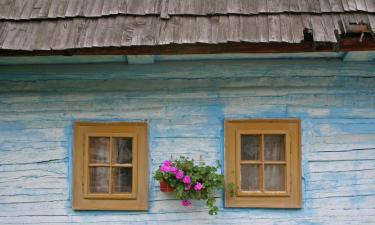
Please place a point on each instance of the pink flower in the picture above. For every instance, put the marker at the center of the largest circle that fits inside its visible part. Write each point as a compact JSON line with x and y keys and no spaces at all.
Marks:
{"x":185,"y":202}
{"x":167,"y":163}
{"x":198,"y":186}
{"x":186,"y":180}
{"x":164,"y":168}
{"x":179,"y":174}
{"x":173,"y":170}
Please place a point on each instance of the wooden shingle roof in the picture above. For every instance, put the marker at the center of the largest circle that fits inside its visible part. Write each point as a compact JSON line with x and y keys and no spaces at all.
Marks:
{"x":31,"y":25}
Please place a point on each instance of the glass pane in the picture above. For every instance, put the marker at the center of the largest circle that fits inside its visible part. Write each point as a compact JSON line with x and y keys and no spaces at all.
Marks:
{"x":122,"y":180}
{"x":250,"y":177}
{"x":274,"y":176}
{"x":122,"y":149}
{"x":99,"y":179}
{"x":250,"y":147}
{"x":274,"y":147}
{"x":99,"y":149}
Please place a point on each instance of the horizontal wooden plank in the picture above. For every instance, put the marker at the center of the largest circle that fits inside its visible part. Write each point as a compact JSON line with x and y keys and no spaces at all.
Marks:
{"x":345,"y":44}
{"x":185,"y":105}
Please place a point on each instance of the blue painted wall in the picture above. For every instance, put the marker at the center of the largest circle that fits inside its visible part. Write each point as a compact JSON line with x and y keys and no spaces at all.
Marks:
{"x":185,"y":104}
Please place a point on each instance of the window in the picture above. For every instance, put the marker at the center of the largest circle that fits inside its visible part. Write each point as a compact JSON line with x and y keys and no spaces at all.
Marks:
{"x":263,"y":161}
{"x":110,"y":166}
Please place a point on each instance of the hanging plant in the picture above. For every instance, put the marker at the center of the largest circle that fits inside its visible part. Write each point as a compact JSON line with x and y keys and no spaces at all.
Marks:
{"x":190,"y":181}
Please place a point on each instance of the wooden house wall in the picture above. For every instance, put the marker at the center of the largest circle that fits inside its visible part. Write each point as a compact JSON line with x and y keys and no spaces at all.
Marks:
{"x":185,"y":104}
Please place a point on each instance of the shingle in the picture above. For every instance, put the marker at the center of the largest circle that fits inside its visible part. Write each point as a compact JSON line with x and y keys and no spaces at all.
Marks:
{"x":79,"y":33}
{"x":319,"y":33}
{"x":294,"y":6}
{"x":325,"y":6}
{"x":234,"y":6}
{"x":5,"y":8}
{"x":336,"y":5}
{"x":304,"y":5}
{"x":173,"y":6}
{"x":314,"y":6}
{"x":262,"y":27}
{"x":306,"y":21}
{"x":44,"y":35}
{"x":345,"y":5}
{"x":53,"y":8}
{"x":61,"y":10}
{"x":61,"y":35}
{"x":248,"y":29}
{"x":96,"y":8}
{"x":352,"y":5}
{"x":234,"y":28}
{"x":286,"y":28}
{"x":116,"y":32}
{"x":101,"y":33}
{"x":26,"y":9}
{"x":262,"y":6}
{"x":90,"y":32}
{"x":249,"y":6}
{"x":17,"y":9}
{"x":137,"y":7}
{"x":3,"y":31}
{"x":274,"y":5}
{"x":13,"y":35}
{"x":370,"y":4}
{"x":329,"y":28}
{"x":73,"y":8}
{"x":30,"y":36}
{"x":203,"y":30}
{"x":187,"y":30}
{"x":296,"y":28}
{"x":35,"y":9}
{"x":221,"y":6}
{"x":121,"y":30}
{"x":164,"y":9}
{"x":361,"y":5}
{"x":274,"y":28}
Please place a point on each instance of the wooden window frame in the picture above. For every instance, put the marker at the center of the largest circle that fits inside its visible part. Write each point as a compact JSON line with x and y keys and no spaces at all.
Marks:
{"x":292,"y":197}
{"x":135,"y":200}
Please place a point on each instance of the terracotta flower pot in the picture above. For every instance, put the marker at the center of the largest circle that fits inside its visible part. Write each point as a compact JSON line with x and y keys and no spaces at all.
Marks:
{"x":164,"y":187}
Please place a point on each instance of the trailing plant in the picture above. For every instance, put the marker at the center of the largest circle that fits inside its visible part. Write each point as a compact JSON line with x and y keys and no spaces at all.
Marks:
{"x":192,"y":181}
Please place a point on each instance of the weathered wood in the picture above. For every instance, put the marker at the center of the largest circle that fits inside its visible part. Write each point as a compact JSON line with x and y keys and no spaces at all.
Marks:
{"x":345,"y":44}
{"x":185,"y":104}
{"x":48,"y":9}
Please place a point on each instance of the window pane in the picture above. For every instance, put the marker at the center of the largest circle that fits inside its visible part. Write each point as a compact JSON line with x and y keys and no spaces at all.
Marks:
{"x":122,"y":180}
{"x":99,"y":179}
{"x":274,"y":176}
{"x":99,"y":149}
{"x":250,"y":177}
{"x":123,"y":149}
{"x":250,"y":147}
{"x":274,"y":147}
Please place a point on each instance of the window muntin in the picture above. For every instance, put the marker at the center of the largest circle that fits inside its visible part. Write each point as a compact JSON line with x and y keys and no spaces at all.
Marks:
{"x":109,"y":172}
{"x":261,"y":166}
{"x":262,"y":158}
{"x":110,"y":166}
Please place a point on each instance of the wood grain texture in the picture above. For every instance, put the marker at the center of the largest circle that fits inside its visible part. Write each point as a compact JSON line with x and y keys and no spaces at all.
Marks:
{"x":125,"y":31}
{"x":185,"y":104}
{"x":51,"y":9}
{"x":87,"y":24}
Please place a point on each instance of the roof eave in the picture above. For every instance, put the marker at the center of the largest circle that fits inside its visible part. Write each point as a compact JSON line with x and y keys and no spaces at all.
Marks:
{"x":367,"y":43}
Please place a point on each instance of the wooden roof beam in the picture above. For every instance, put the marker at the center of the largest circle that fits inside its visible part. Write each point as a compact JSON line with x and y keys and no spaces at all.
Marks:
{"x":346,"y":44}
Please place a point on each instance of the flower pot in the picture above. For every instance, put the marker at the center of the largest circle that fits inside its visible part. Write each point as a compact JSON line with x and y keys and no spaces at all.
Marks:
{"x":164,"y":187}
